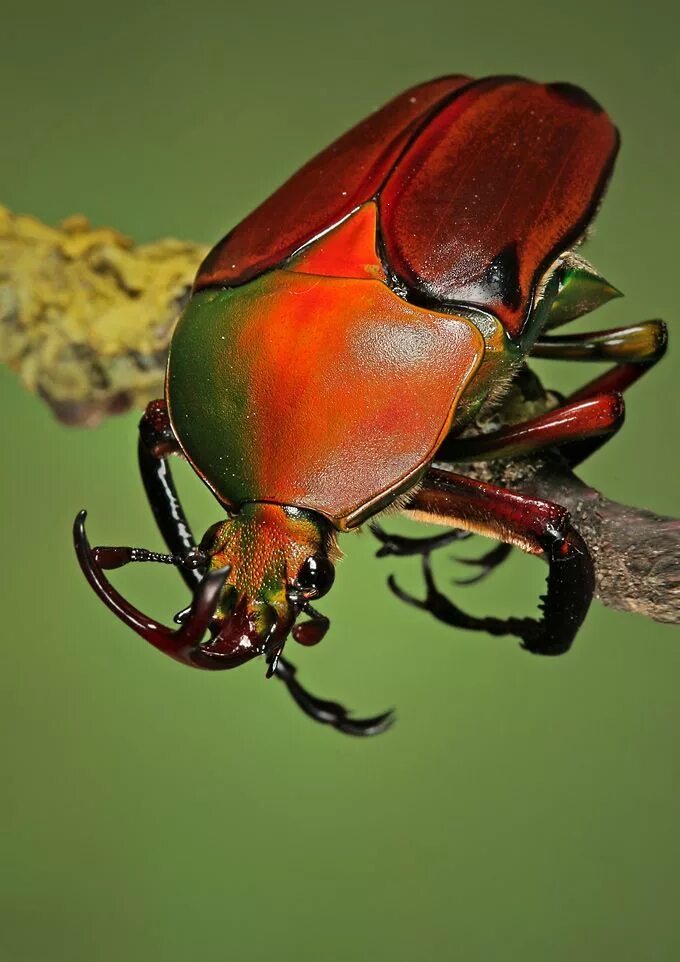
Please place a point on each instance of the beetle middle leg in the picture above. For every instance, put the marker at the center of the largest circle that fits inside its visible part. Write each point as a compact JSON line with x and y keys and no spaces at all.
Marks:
{"x":635,"y":349}
{"x":403,"y":546}
{"x":589,"y":416}
{"x":577,"y":420}
{"x":577,"y":423}
{"x":487,"y":563}
{"x":538,"y":527}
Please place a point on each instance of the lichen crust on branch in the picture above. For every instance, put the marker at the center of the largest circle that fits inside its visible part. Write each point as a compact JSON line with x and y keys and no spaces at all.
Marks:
{"x":85,"y":315}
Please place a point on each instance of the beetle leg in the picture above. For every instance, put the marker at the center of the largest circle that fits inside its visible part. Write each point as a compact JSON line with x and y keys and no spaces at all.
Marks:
{"x":636,"y":355}
{"x":184,"y":644}
{"x":487,"y":563}
{"x":403,"y":546}
{"x":636,"y":349}
{"x":156,"y":441}
{"x":643,"y":343}
{"x":584,"y":418}
{"x":330,"y":712}
{"x":446,"y":611}
{"x":590,"y":415}
{"x":538,"y":527}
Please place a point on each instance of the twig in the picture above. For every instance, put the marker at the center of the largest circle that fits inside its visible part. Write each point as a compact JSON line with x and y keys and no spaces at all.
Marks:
{"x":636,"y":552}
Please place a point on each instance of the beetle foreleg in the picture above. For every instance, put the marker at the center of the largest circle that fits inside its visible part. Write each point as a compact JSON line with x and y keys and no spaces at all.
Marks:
{"x":184,"y":643}
{"x":539,"y":527}
{"x":156,"y":441}
{"x":330,"y":712}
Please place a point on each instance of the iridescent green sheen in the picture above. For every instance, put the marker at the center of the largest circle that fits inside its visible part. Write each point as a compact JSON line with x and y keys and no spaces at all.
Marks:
{"x":329,"y":393}
{"x":581,"y":291}
{"x":207,"y":388}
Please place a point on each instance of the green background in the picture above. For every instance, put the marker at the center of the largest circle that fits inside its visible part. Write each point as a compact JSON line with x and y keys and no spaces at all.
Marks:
{"x":521,"y":808}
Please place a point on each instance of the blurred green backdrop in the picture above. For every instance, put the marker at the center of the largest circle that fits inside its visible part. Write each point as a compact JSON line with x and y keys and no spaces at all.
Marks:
{"x":521,"y":808}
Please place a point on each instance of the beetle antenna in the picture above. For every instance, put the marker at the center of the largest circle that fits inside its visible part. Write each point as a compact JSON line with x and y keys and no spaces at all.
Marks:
{"x":109,"y":557}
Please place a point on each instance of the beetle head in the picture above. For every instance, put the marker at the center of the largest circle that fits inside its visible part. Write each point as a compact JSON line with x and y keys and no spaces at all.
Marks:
{"x":279,"y":560}
{"x":261,"y":568}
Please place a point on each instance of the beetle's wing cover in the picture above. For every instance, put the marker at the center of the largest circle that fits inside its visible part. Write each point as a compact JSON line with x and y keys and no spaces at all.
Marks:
{"x":325,"y":190}
{"x":502,"y":179}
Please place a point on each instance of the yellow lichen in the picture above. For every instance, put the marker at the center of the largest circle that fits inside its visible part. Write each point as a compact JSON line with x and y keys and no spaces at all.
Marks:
{"x":85,"y":315}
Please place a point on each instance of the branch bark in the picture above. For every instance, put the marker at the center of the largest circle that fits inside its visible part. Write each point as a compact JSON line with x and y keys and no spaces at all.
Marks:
{"x":636,"y":552}
{"x":86,"y":319}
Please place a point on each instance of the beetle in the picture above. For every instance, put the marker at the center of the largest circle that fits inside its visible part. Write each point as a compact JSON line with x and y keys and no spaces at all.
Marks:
{"x":339,"y":341}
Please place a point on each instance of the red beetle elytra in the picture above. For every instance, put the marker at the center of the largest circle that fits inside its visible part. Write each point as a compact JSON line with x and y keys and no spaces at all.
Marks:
{"x":340,"y":339}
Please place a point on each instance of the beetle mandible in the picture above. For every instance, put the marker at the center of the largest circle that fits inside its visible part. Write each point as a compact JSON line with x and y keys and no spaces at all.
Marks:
{"x":339,"y":340}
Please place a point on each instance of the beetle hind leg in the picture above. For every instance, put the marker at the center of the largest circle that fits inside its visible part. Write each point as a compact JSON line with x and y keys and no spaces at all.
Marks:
{"x":644,"y":343}
{"x":634,"y":349}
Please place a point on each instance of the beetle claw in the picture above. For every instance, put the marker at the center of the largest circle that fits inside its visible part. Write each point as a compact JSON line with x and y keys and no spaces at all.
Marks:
{"x":444,"y":610}
{"x":330,"y":712}
{"x":403,"y":546}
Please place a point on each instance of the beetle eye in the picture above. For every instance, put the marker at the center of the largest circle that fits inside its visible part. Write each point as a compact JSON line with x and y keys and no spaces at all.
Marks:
{"x":316,"y":576}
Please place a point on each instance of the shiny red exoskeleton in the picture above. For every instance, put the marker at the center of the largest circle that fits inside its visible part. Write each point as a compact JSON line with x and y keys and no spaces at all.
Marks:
{"x":339,"y":348}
